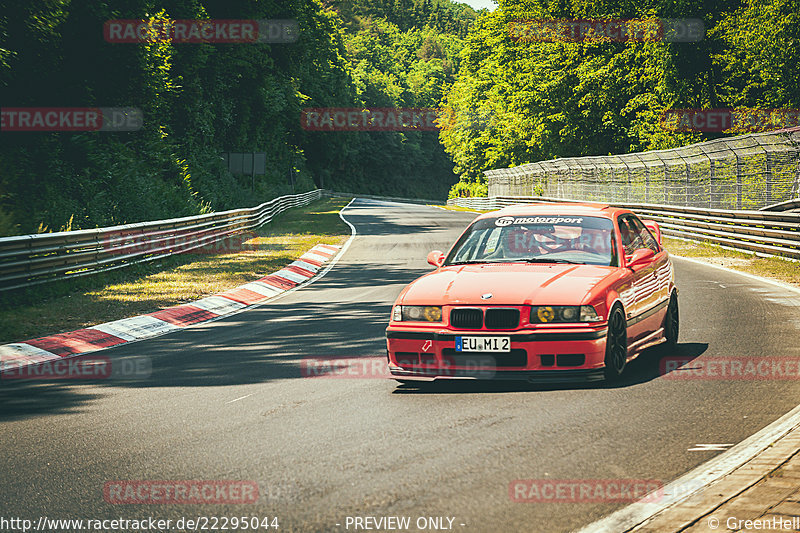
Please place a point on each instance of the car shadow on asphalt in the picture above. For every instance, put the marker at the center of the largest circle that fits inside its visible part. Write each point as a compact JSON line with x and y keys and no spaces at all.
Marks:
{"x":651,"y":364}
{"x":271,"y":342}
{"x":25,"y":399}
{"x":266,"y":344}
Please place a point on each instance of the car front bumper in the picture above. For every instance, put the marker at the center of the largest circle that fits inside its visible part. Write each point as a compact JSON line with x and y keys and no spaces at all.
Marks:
{"x":541,"y":355}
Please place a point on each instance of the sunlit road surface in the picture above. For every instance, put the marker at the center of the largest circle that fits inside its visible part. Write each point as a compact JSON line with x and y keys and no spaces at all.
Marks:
{"x":229,"y":401}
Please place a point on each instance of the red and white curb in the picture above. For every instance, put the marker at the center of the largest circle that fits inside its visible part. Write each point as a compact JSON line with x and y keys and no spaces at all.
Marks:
{"x":101,"y":336}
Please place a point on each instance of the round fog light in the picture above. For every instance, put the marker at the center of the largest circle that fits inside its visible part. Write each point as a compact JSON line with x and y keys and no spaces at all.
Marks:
{"x":433,"y":314}
{"x":545,"y":314}
{"x":569,"y":314}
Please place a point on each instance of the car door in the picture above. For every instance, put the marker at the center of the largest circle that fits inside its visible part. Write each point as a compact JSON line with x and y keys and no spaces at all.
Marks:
{"x":639,"y":293}
{"x":655,"y":284}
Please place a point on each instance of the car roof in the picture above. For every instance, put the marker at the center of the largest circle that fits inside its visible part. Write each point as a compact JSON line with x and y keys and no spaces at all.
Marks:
{"x":558,"y":208}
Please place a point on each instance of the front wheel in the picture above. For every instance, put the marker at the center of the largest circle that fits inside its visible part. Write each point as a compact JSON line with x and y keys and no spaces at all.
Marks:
{"x":616,"y":345}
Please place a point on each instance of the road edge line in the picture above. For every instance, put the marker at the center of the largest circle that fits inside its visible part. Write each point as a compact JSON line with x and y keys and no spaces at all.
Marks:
{"x":332,"y":262}
{"x":32,"y":355}
{"x":711,"y":471}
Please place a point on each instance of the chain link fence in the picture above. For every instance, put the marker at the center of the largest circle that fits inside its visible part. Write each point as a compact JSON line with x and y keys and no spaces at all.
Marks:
{"x":745,"y":172}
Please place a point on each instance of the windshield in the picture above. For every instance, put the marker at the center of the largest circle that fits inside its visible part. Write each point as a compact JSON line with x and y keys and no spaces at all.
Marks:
{"x":537,"y":239}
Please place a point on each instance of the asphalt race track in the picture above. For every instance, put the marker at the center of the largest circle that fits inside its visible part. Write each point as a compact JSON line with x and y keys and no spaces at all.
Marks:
{"x":227,"y":401}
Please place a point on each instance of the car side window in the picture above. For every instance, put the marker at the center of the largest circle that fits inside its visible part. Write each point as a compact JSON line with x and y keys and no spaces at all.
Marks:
{"x":469,"y":247}
{"x":647,"y":239}
{"x":631,"y":240}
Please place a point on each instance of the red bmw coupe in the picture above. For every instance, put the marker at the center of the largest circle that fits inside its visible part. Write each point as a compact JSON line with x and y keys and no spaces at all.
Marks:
{"x":539,"y":292}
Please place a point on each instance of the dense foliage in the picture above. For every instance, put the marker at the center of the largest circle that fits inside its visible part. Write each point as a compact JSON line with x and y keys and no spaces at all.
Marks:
{"x":504,"y":102}
{"x":200,"y":100}
{"x":559,"y":99}
{"x":443,"y":16}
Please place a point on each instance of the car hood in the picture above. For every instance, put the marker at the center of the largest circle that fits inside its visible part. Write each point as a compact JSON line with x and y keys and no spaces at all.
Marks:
{"x":509,"y":284}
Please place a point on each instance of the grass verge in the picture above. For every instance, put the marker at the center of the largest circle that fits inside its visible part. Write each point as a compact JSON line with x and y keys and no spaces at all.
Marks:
{"x":459,"y":208}
{"x":179,"y":279}
{"x":767,"y":267}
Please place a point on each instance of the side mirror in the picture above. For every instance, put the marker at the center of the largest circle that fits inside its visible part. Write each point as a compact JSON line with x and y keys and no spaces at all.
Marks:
{"x":654,"y":228}
{"x":640,"y":259}
{"x":436,"y":258}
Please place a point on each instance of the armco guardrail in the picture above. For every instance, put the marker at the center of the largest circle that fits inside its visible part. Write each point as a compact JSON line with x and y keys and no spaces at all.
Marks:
{"x":788,"y":205}
{"x":756,"y":231}
{"x":28,"y":260}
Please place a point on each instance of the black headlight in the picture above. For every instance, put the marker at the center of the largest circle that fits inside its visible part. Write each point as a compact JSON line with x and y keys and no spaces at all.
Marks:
{"x":543,"y":314}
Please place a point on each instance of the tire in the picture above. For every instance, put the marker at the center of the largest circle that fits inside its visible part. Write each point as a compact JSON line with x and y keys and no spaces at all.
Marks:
{"x":616,"y":345}
{"x":672,"y":323}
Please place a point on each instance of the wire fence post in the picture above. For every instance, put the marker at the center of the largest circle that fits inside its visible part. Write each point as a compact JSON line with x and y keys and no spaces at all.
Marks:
{"x":686,"y":180}
{"x":768,"y":177}
{"x":738,"y":181}
{"x":629,"y":188}
{"x":628,"y":174}
{"x":711,"y":179}
{"x":613,"y":195}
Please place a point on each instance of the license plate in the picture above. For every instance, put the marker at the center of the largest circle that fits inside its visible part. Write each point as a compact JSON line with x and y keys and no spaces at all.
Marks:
{"x":483,"y":344}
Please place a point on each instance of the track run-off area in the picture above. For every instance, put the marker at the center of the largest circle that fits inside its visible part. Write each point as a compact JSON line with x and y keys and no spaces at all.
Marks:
{"x":229,"y":400}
